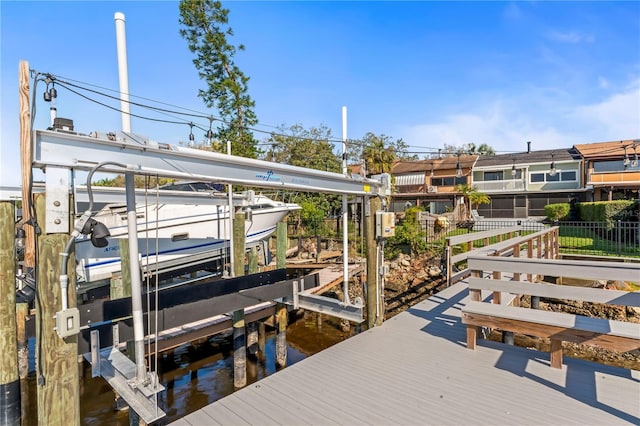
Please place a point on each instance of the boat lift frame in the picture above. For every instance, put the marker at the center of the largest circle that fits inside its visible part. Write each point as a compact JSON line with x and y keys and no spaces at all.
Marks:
{"x":60,"y":154}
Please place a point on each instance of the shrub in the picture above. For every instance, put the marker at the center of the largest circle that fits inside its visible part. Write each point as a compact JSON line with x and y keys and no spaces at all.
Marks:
{"x":606,"y":211}
{"x":409,"y":233}
{"x":559,"y":211}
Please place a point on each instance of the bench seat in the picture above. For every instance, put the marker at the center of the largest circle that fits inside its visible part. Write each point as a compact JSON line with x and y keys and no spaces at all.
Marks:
{"x":557,"y":326}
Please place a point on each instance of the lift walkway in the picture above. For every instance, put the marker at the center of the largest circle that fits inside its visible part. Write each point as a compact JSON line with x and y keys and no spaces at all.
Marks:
{"x":415,"y":369}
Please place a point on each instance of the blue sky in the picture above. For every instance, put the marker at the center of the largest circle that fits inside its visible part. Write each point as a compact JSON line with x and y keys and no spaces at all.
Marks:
{"x":501,"y":73}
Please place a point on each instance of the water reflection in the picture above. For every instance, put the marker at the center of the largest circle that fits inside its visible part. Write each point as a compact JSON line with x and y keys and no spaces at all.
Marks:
{"x":199,"y":374}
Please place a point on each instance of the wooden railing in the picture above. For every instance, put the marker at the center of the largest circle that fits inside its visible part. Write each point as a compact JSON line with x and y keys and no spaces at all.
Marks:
{"x":540,"y":244}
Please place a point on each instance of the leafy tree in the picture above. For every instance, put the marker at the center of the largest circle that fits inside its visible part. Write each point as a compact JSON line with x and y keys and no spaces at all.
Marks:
{"x":139,"y":181}
{"x":378,"y":152}
{"x":205,"y":26}
{"x":298,"y":146}
{"x":468,"y":148}
{"x":310,"y":148}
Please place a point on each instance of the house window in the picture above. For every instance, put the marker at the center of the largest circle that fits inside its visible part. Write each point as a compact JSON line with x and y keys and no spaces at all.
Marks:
{"x":554,"y":178}
{"x":560,"y":176}
{"x":448,"y":181}
{"x":493,"y":175}
{"x":608,"y":166}
{"x":537,"y":177}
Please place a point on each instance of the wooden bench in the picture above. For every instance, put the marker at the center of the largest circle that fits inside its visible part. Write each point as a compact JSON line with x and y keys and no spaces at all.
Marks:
{"x":504,"y":312}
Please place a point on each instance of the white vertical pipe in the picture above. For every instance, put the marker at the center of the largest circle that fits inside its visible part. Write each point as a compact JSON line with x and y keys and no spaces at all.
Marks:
{"x":132,"y":220}
{"x":231,"y":213}
{"x":345,"y":214}
{"x":136,"y":282}
{"x":123,"y":73}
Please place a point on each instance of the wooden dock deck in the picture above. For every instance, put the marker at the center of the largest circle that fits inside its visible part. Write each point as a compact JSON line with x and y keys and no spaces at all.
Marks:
{"x":415,"y":369}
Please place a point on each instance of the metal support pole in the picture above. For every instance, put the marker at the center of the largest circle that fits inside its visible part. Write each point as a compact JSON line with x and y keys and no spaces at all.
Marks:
{"x":345,"y":214}
{"x":136,"y":283}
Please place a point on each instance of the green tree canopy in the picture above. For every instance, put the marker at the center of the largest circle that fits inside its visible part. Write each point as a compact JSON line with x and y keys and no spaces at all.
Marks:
{"x":205,"y":26}
{"x":310,"y":148}
{"x":468,"y":148}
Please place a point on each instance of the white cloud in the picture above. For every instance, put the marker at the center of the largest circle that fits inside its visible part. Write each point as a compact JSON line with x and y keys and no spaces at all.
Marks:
{"x":572,"y":37}
{"x":617,"y":116}
{"x":544,"y":117}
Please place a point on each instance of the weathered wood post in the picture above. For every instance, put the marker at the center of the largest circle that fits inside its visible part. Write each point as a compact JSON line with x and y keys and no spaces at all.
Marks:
{"x":281,"y":308}
{"x":57,"y":358}
{"x":281,"y":335}
{"x":252,"y":339}
{"x":262,"y":342}
{"x":120,"y":284}
{"x":281,"y":245}
{"x":22,"y":315}
{"x":10,"y":413}
{"x":253,"y":261}
{"x":239,"y":337}
{"x":25,"y":160}
{"x":375,"y":298}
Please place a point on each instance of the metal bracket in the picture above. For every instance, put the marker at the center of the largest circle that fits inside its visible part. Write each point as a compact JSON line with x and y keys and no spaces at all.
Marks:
{"x":57,"y":200}
{"x":119,"y":371}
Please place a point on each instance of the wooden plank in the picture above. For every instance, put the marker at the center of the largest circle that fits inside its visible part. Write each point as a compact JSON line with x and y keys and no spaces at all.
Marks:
{"x":559,"y":268}
{"x":475,"y":236}
{"x":585,"y":294}
{"x":574,"y":328}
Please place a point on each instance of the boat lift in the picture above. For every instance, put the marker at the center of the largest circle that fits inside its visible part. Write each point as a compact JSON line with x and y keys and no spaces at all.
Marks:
{"x":62,"y":153}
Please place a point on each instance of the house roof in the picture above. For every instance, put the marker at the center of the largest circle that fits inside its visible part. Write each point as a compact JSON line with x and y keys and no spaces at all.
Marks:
{"x":614,"y":149}
{"x":560,"y":154}
{"x":445,"y":163}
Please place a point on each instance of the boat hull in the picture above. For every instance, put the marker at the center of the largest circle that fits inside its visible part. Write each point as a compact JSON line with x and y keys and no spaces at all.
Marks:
{"x":171,"y":233}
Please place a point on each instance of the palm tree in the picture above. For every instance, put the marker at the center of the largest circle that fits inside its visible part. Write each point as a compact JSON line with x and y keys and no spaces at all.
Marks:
{"x":472,"y":196}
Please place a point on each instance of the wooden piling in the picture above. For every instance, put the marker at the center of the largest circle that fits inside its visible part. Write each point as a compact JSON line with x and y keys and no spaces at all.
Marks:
{"x":239,"y":336}
{"x":239,"y":350}
{"x":25,"y":161}
{"x":262,"y":342}
{"x":10,"y":413}
{"x":253,"y":260}
{"x":281,"y":335}
{"x":375,"y":298}
{"x":22,"y":315}
{"x":281,"y":245}
{"x":58,"y":386}
{"x":252,"y":339}
{"x":120,"y":284}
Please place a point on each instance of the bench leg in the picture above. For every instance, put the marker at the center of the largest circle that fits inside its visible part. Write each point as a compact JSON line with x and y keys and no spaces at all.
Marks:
{"x":556,"y":353}
{"x":472,"y":333}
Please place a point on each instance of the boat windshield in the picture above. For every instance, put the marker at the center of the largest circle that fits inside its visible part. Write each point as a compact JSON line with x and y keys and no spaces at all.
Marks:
{"x":193,"y":186}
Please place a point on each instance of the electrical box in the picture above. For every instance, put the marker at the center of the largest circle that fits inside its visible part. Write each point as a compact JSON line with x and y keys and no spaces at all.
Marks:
{"x":385,"y":224}
{"x":68,"y":322}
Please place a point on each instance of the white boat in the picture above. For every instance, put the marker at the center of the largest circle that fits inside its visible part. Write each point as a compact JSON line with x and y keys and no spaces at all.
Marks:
{"x":178,"y":233}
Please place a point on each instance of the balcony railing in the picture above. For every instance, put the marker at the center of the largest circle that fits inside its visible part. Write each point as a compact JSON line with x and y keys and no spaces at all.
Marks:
{"x":499,"y":185}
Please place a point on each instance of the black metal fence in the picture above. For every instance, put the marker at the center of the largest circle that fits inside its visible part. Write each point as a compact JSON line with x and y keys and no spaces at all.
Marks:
{"x":621,"y":239}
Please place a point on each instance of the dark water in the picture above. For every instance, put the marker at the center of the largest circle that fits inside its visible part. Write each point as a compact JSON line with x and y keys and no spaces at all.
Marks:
{"x":199,"y":374}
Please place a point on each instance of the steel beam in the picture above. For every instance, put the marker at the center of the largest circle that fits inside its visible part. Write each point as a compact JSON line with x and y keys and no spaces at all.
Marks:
{"x":143,"y":156}
{"x":333,"y":307}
